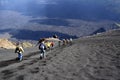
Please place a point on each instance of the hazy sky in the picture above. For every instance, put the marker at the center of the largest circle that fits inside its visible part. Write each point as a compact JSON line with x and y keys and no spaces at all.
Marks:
{"x":23,"y":11}
{"x":81,"y":9}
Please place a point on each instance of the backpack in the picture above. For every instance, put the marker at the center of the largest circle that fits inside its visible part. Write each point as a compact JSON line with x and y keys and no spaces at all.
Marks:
{"x":17,"y":50}
{"x":42,"y":46}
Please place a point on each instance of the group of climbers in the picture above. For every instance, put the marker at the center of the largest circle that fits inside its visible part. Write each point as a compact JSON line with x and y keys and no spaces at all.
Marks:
{"x":65,"y":42}
{"x":49,"y":45}
{"x":44,"y":44}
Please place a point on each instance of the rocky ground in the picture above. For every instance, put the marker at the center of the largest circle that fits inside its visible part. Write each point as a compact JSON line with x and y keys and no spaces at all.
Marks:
{"x":88,"y":58}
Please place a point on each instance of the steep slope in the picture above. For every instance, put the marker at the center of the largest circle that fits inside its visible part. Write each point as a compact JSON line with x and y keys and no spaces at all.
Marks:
{"x":89,"y":58}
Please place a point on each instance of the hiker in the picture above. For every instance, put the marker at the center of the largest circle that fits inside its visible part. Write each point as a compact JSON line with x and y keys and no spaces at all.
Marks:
{"x":48,"y":45}
{"x":52,"y":45}
{"x":19,"y":50}
{"x":42,"y":48}
{"x":71,"y":40}
{"x":64,"y":42}
{"x":55,"y":36}
{"x":59,"y":43}
{"x":67,"y":41}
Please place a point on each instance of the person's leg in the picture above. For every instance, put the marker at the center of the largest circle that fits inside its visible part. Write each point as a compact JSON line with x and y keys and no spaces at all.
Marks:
{"x":20,"y":56}
{"x":41,"y":54}
{"x":44,"y":54}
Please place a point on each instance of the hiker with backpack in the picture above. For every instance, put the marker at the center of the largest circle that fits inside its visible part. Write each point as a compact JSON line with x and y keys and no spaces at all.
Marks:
{"x":42,"y":48}
{"x":19,"y":50}
{"x":52,"y":44}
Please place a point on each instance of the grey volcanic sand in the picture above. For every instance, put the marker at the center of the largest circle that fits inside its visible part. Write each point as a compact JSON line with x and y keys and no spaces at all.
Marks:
{"x":90,"y":58}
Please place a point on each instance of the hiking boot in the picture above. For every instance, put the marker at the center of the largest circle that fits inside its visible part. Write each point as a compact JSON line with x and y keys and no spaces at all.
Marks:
{"x":41,"y":57}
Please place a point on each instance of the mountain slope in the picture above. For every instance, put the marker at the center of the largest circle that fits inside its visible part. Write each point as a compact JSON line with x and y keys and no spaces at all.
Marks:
{"x":89,"y":58}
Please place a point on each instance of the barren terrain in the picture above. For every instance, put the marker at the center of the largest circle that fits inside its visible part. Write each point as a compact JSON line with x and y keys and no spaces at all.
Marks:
{"x":89,"y":58}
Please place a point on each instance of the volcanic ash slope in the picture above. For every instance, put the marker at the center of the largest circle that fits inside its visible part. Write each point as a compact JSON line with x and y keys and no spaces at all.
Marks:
{"x":90,"y":58}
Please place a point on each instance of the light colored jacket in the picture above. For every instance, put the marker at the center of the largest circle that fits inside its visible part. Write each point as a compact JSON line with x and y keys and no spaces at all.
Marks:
{"x":21,"y":50}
